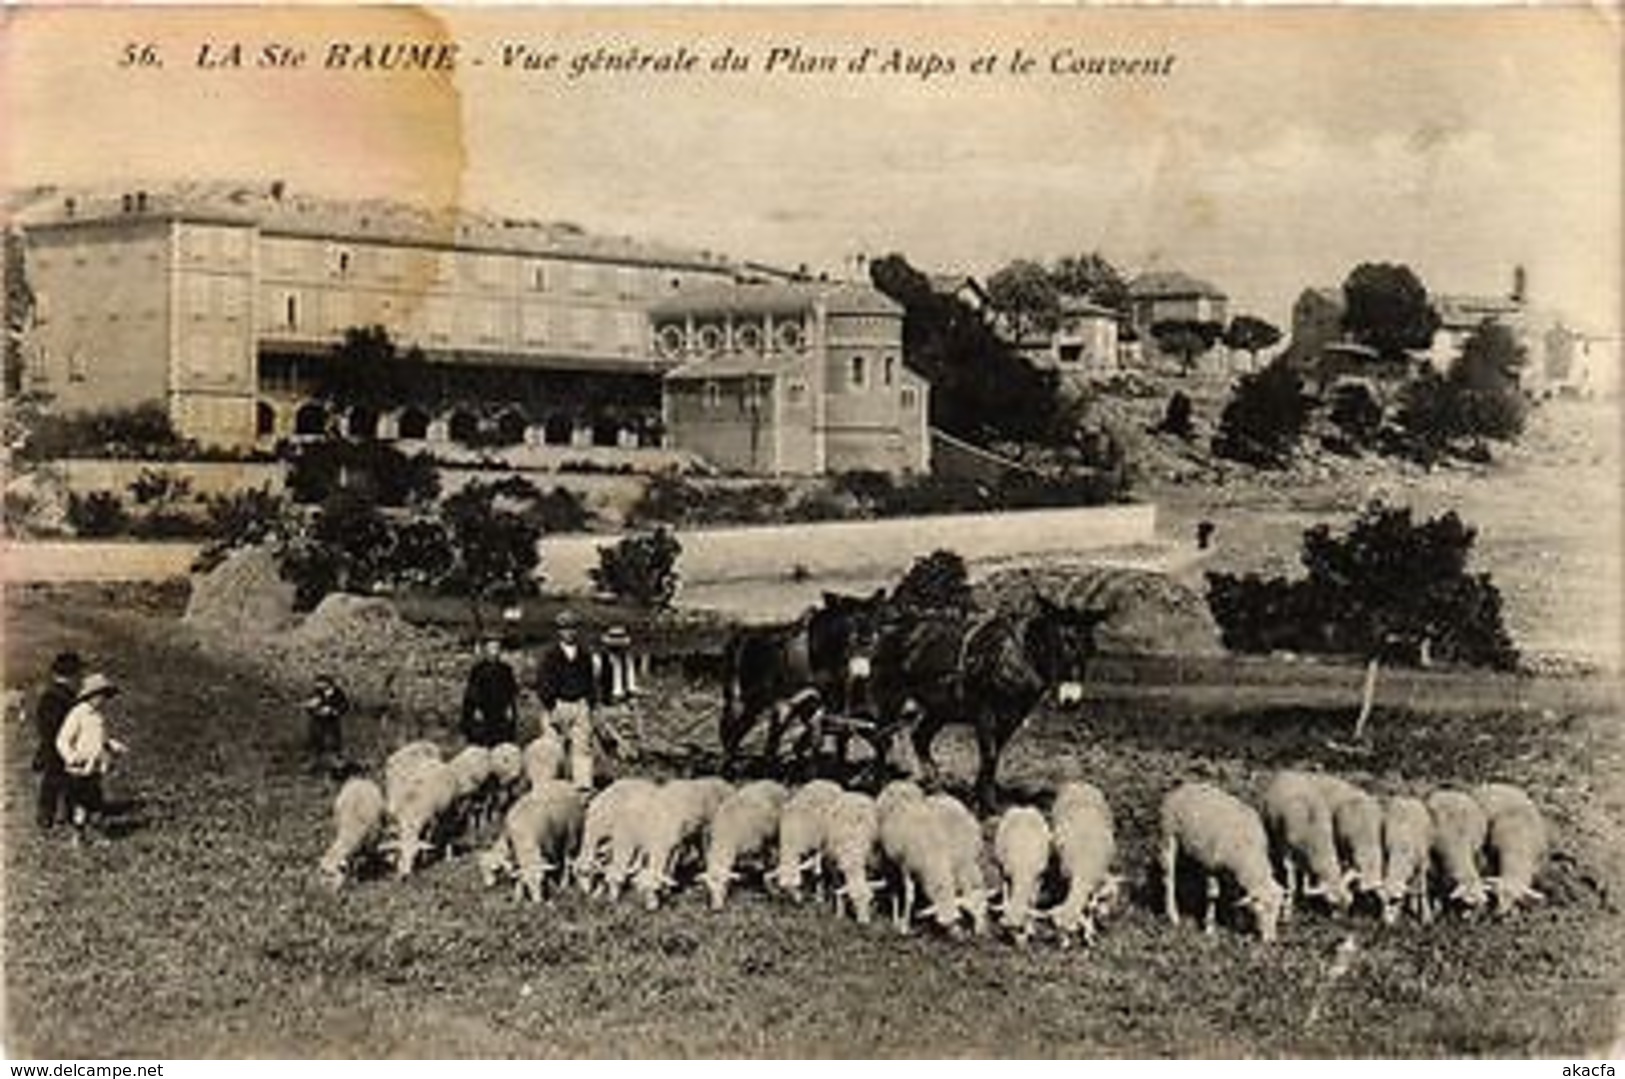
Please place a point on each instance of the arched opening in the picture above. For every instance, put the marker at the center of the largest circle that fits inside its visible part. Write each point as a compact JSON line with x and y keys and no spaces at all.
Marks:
{"x":556,"y":432}
{"x":363,"y":423}
{"x":463,"y":426}
{"x":311,"y":419}
{"x":511,"y":428}
{"x":264,"y":419}
{"x":606,"y":432}
{"x":413,"y":423}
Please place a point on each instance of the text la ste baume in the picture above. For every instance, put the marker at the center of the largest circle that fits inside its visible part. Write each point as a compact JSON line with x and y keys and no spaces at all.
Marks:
{"x":346,"y":55}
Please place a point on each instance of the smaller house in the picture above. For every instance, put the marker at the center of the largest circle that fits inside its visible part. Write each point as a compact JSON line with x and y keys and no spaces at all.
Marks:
{"x":1165,"y":295}
{"x":791,"y":377}
{"x":1084,"y":345}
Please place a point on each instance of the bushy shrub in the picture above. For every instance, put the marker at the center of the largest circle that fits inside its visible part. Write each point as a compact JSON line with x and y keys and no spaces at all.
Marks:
{"x":247,"y":518}
{"x":1355,"y":412}
{"x":141,"y":432}
{"x":640,"y":569}
{"x":420,"y":554}
{"x":678,"y":502}
{"x":158,"y":487}
{"x":1177,"y":418}
{"x":938,"y":581}
{"x":346,"y":548}
{"x":1389,"y":584}
{"x":1264,"y":418}
{"x":494,"y":546}
{"x":98,"y":515}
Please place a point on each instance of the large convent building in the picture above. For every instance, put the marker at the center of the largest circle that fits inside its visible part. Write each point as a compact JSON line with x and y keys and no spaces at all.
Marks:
{"x":228,"y":304}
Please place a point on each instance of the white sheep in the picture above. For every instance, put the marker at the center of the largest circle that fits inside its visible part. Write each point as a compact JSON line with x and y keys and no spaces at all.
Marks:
{"x":851,"y":843}
{"x":914,"y":839}
{"x":409,"y":758}
{"x":1222,"y":835}
{"x":895,"y":793}
{"x":608,"y":847}
{"x":678,"y":818}
{"x":1516,"y":841}
{"x":1085,"y":845}
{"x":745,"y":823}
{"x":358,"y":821}
{"x":1407,"y":840}
{"x":538,"y":834}
{"x":1460,"y":830}
{"x":419,"y":804}
{"x":1357,"y":827}
{"x":1300,"y":827}
{"x":802,"y":824}
{"x":965,"y":852}
{"x":1022,"y":847}
{"x":544,"y":757}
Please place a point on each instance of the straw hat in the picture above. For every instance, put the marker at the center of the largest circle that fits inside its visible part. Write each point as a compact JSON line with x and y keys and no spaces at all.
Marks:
{"x":96,"y":684}
{"x":617,"y":637}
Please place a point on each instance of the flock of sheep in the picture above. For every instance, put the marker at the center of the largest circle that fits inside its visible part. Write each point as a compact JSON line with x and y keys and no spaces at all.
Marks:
{"x":1330,"y":839}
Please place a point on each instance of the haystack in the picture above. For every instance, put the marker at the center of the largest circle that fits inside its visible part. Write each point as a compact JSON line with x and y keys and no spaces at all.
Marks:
{"x":1147,"y":613}
{"x":242,"y":599}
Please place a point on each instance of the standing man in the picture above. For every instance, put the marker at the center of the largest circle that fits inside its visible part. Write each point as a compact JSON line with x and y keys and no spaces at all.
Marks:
{"x":491,"y":698}
{"x":569,"y":695}
{"x":54,"y":703}
{"x":618,"y":689}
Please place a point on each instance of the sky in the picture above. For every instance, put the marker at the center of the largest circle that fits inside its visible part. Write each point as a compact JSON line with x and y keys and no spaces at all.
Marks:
{"x":1282,"y":148}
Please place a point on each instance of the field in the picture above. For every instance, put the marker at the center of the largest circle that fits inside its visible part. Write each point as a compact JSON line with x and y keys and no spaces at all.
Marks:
{"x":198,"y":929}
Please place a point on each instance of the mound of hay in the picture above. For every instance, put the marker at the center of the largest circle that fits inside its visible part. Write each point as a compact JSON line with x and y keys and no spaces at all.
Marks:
{"x":242,"y":598}
{"x":1146,"y":613}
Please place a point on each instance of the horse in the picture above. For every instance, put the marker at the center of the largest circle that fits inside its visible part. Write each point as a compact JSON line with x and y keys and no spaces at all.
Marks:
{"x":989,"y":671}
{"x":768,"y":669}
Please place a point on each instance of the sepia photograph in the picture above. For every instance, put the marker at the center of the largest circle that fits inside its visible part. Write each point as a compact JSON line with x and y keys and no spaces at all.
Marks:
{"x":849,"y":532}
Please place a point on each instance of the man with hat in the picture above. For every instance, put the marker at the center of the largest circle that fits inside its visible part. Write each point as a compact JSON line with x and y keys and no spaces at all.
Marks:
{"x":568,"y":690}
{"x":491,"y":698}
{"x":87,"y":749}
{"x":54,"y":703}
{"x":617,"y":675}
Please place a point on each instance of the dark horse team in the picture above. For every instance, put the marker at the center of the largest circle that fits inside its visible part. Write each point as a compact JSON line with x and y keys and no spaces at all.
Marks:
{"x":861,"y":666}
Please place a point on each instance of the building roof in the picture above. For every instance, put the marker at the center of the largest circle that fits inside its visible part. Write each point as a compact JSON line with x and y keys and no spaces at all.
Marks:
{"x":279,"y":212}
{"x":1168,"y":284}
{"x":734,"y":365}
{"x":1466,"y":312}
{"x":771,"y":297}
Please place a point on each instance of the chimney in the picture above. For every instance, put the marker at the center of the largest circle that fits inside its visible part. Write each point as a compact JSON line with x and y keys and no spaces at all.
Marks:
{"x":128,"y":202}
{"x":1520,"y":285}
{"x":278,"y":188}
{"x":141,"y":202}
{"x":70,"y":206}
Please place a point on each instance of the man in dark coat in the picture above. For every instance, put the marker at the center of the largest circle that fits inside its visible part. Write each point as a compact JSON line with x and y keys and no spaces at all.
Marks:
{"x":491,"y":699}
{"x":567,"y":685}
{"x":54,"y":703}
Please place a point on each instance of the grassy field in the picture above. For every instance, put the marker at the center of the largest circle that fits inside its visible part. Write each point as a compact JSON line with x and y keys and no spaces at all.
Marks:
{"x":199,"y":929}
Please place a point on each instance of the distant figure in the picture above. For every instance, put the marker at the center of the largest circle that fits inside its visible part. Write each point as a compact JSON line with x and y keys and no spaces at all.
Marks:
{"x":491,"y":698}
{"x":1204,"y":534}
{"x":87,"y":750}
{"x":54,"y":703}
{"x":616,"y":675}
{"x":326,"y":709}
{"x":568,"y":690}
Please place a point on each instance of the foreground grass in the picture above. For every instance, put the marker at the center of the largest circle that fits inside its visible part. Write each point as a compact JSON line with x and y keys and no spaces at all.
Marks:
{"x":200,"y":931}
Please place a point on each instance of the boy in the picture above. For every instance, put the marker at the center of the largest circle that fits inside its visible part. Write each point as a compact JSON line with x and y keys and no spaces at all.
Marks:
{"x":87,"y":750}
{"x":326,"y":708}
{"x":52,"y":709}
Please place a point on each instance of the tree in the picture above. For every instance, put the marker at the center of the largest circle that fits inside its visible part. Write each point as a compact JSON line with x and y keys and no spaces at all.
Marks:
{"x":495,"y":547}
{"x":641,"y":569}
{"x":1485,"y":377}
{"x":982,"y":390}
{"x":366,"y":370}
{"x":19,"y":301}
{"x":1177,"y":417}
{"x":1386,"y":307}
{"x":1250,"y":334}
{"x":1025,"y":296}
{"x":1264,"y":418}
{"x":1186,"y":338}
{"x":1093,"y":278}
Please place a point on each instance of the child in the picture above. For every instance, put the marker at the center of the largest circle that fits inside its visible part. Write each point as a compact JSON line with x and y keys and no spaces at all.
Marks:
{"x":54,"y":704}
{"x":326,"y":708}
{"x":86,"y":750}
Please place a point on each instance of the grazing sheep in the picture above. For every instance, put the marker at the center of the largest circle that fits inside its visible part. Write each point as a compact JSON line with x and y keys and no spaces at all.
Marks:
{"x":1357,"y":828}
{"x":965,"y":851}
{"x":358,"y":820}
{"x":1517,"y":842}
{"x":679,"y":815}
{"x":1460,"y":830}
{"x":1407,"y":839}
{"x":851,"y":843}
{"x":895,"y":793}
{"x":607,"y":833}
{"x":914,"y":838}
{"x":1304,"y":838}
{"x":471,"y":768}
{"x":1085,"y":844}
{"x":420,"y":805}
{"x":538,"y":834}
{"x":409,"y":758}
{"x":745,"y":823}
{"x":801,"y":834}
{"x":1021,"y":846}
{"x":1222,"y":834}
{"x":544,"y":757}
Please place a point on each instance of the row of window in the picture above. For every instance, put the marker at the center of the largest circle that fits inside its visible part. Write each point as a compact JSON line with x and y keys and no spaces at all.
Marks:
{"x":795,"y":393}
{"x":443,"y":320}
{"x":340,"y":261}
